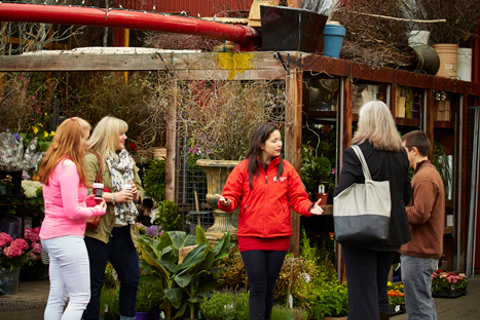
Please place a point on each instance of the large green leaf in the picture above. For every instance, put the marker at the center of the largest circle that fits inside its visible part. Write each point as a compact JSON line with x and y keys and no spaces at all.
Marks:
{"x":174,"y":296}
{"x":194,"y":257}
{"x":200,"y":236}
{"x":183,"y":280}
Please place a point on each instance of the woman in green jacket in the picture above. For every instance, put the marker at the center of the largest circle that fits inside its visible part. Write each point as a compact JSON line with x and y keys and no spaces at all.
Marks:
{"x":115,"y":238}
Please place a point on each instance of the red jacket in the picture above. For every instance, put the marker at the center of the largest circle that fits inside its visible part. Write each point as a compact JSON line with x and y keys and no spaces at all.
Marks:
{"x":265,"y":209}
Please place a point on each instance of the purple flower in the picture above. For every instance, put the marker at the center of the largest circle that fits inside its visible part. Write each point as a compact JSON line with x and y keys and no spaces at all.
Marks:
{"x":17,"y":136}
{"x":154,"y":231}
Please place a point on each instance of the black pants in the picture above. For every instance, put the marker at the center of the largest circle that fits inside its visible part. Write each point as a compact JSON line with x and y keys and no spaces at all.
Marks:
{"x":262,"y":269}
{"x":367,"y":275}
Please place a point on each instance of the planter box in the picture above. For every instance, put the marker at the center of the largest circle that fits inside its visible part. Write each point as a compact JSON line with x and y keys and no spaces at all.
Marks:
{"x":285,"y":28}
{"x":450,"y":293}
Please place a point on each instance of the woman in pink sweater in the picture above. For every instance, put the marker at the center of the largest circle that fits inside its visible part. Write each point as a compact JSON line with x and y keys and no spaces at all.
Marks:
{"x":63,"y":175}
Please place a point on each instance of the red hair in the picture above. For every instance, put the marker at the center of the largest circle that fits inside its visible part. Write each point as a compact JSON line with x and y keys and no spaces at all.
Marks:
{"x":67,"y":142}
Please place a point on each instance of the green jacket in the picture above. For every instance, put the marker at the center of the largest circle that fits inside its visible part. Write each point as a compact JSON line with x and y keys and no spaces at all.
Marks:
{"x":104,"y":230}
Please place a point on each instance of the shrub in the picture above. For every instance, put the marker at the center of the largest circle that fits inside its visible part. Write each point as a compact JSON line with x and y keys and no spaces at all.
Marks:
{"x":154,"y":180}
{"x":168,"y":216}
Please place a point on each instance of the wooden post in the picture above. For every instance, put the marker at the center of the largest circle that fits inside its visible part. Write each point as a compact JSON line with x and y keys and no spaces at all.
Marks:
{"x":429,"y":129}
{"x":171,"y":143}
{"x":293,"y":139}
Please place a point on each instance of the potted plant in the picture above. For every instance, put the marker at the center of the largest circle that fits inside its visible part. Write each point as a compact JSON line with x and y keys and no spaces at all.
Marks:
{"x":154,"y":180}
{"x":168,"y":217}
{"x":148,"y":298}
{"x":14,"y":254}
{"x":217,"y":119}
{"x":184,"y":284}
{"x":448,"y":284}
{"x":396,"y":298}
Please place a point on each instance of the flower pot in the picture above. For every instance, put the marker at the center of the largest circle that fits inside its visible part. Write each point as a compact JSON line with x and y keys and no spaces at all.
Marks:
{"x":285,"y":28}
{"x":447,"y":293}
{"x":217,"y":172}
{"x":464,"y":70}
{"x":323,"y":196}
{"x":428,"y":59}
{"x":142,"y":315}
{"x":335,"y":318}
{"x":9,"y":280}
{"x":333,"y":39}
{"x":448,"y":53}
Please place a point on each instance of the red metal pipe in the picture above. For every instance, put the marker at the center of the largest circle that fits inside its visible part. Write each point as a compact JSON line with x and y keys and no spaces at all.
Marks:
{"x":73,"y":15}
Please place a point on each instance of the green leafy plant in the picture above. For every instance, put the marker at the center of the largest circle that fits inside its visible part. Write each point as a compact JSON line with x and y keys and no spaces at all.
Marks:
{"x":325,"y":298}
{"x":183,"y":285}
{"x":148,"y":297}
{"x":226,"y":305}
{"x":440,"y":161}
{"x":231,"y":272}
{"x":154,"y":180}
{"x":168,"y":216}
{"x":109,"y":306}
{"x":285,"y":313}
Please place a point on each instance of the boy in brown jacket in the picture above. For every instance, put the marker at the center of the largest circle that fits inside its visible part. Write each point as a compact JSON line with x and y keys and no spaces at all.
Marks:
{"x":426,"y":215}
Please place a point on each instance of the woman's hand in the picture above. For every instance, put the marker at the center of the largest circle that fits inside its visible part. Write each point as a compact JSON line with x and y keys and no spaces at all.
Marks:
{"x":102,"y":205}
{"x":124,"y":196}
{"x":316,"y":209}
{"x":224,"y":201}
{"x":136,"y":196}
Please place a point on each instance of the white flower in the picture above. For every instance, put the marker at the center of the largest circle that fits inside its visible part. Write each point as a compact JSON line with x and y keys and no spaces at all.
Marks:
{"x":30,"y":188}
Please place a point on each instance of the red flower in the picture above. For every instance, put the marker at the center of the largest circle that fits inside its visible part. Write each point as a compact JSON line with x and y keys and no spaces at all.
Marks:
{"x":132,"y":146}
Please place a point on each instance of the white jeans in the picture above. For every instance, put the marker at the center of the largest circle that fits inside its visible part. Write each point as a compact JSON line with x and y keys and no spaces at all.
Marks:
{"x":69,"y":272}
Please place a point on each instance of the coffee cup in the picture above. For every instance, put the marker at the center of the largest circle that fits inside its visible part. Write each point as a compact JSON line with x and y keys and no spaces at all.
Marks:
{"x":97,"y":190}
{"x":127,"y":187}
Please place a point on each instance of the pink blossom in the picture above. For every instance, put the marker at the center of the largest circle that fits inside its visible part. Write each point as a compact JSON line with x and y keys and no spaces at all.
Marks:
{"x":20,"y":243}
{"x":5,"y":239}
{"x":12,"y":252}
{"x":37,"y":247}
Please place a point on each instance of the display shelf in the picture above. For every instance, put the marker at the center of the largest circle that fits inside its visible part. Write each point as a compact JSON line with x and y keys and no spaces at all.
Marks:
{"x":407,"y":122}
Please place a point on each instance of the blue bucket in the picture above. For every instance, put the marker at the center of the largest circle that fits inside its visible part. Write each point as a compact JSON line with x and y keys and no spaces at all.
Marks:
{"x":332,"y":41}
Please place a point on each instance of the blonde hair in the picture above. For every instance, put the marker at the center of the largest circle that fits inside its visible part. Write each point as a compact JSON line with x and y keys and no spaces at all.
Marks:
{"x":66,"y":142}
{"x":106,"y":136}
{"x":375,"y":124}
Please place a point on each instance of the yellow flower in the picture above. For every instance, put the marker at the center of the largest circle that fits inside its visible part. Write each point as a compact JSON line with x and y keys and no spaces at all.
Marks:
{"x":35,"y":129}
{"x":35,"y":177}
{"x":45,"y":134}
{"x":40,"y":125}
{"x":389,"y":283}
{"x":52,"y":134}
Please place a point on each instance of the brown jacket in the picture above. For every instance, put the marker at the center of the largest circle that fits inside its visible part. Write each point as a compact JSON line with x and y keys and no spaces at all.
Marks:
{"x":426,"y":213}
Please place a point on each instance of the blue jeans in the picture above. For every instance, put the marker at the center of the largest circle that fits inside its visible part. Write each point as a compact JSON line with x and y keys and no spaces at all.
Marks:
{"x":262,"y":269}
{"x":123,"y":256}
{"x":417,"y":281}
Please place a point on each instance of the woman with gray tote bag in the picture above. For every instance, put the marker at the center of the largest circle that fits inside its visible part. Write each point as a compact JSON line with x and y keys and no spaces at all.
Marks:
{"x":367,"y":264}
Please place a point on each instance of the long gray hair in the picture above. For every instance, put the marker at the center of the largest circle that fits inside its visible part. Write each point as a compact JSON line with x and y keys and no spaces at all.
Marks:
{"x":375,"y":124}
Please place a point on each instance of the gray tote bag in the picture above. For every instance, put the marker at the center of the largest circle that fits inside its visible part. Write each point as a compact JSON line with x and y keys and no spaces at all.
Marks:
{"x":361,"y":213}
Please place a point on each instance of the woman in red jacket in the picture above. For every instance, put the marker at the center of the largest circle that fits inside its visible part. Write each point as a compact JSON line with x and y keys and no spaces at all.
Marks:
{"x":265,"y":187}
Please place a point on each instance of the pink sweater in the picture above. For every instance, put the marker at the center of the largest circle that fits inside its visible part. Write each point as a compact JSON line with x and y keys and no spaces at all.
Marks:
{"x":65,"y":208}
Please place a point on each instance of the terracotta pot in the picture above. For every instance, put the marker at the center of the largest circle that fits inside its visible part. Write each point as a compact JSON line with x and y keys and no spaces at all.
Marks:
{"x":322,"y":196}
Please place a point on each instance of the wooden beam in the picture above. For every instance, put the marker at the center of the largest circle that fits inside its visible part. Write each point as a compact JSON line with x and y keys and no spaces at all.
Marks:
{"x":464,"y":184}
{"x":429,"y":130}
{"x":293,"y":139}
{"x":237,"y":62}
{"x":171,"y":135}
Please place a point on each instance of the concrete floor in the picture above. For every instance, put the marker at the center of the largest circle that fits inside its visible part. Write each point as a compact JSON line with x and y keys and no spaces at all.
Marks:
{"x":29,"y":303}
